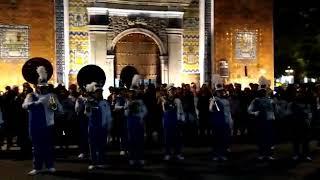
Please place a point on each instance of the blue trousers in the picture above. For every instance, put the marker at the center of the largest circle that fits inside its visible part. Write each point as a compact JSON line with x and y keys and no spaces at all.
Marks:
{"x":172,"y":133}
{"x":221,"y":134}
{"x":124,"y":135}
{"x":43,"y":147}
{"x":264,"y":137}
{"x":83,"y":144}
{"x":97,"y":143}
{"x":135,"y":138}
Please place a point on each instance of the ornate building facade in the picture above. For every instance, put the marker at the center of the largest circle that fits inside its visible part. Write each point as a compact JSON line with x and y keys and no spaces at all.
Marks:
{"x":167,"y":41}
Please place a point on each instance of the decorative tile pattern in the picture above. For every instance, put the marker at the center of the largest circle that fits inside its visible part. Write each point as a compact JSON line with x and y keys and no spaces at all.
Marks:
{"x":246,"y":45}
{"x":60,"y":53}
{"x":14,"y":41}
{"x":79,"y":51}
{"x":190,"y":61}
{"x":78,"y":35}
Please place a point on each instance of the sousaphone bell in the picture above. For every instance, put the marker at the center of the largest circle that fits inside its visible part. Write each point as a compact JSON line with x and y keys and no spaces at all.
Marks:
{"x":90,"y":73}
{"x":38,"y":71}
{"x":29,"y":69}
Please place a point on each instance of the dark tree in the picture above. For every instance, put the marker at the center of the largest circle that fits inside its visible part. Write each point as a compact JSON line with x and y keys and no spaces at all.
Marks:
{"x":297,"y":39}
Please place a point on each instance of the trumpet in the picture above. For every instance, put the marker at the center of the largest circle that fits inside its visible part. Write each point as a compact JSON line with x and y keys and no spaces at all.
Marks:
{"x":215,"y":103}
{"x":52,"y":103}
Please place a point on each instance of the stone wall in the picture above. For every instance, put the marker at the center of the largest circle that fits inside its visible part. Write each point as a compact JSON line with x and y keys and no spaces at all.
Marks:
{"x":39,"y":16}
{"x":238,"y":16}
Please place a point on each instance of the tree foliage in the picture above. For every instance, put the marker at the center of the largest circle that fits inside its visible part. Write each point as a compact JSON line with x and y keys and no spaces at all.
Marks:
{"x":297,"y":40}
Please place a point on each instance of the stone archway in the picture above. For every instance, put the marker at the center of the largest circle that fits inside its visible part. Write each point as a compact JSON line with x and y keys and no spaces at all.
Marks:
{"x":157,"y":40}
{"x":138,"y":51}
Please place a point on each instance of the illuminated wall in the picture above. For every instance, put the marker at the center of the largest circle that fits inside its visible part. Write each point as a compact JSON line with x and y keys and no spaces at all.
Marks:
{"x":39,"y":17}
{"x":191,"y":39}
{"x":244,"y":37}
{"x":78,"y":38}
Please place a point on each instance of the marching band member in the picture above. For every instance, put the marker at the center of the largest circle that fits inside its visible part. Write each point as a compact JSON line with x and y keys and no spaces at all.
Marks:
{"x":41,"y":106}
{"x":173,"y":115}
{"x":135,"y":111}
{"x":98,"y":111}
{"x":91,"y":79}
{"x":119,"y":115}
{"x":83,"y":125}
{"x":263,"y":110}
{"x":221,"y":122}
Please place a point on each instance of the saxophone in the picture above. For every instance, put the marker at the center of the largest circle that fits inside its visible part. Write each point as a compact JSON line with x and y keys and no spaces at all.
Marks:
{"x":52,"y":103}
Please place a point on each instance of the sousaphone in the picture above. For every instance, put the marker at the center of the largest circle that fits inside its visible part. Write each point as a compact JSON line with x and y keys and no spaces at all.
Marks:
{"x":90,"y":73}
{"x":29,"y":69}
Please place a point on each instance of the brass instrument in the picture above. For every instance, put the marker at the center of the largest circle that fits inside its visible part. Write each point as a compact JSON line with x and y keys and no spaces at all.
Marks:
{"x":30,"y":74}
{"x":52,"y":103}
{"x":87,"y":75}
{"x":29,"y":69}
{"x":215,"y":103}
{"x":90,"y":73}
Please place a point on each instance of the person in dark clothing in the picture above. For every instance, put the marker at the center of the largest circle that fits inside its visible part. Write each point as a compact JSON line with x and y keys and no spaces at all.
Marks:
{"x":150,"y":101}
{"x":221,"y":123}
{"x":8,"y":115}
{"x":23,"y":140}
{"x":316,"y":113}
{"x":203,"y":107}
{"x":82,"y":121}
{"x":173,"y":117}
{"x":121,"y":121}
{"x":300,"y":115}
{"x":190,"y":126}
{"x":62,"y":134}
{"x":1,"y":121}
{"x":263,"y":110}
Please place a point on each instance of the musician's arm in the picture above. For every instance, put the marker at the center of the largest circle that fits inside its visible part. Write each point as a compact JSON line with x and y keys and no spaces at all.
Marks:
{"x":252,"y":109}
{"x":28,"y":101}
{"x":180,"y":112}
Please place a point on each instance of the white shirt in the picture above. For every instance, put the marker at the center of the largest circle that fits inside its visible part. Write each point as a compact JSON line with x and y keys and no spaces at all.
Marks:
{"x":44,"y":100}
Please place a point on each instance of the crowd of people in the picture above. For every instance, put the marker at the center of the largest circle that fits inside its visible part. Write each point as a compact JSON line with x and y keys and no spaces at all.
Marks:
{"x":165,"y":116}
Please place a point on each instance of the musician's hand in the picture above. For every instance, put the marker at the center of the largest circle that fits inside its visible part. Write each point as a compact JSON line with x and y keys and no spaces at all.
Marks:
{"x":256,"y":113}
{"x":42,"y":100}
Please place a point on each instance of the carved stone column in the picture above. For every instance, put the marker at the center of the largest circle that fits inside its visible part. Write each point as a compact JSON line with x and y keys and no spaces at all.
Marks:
{"x":175,"y":54}
{"x":109,"y":70}
{"x":164,"y":69}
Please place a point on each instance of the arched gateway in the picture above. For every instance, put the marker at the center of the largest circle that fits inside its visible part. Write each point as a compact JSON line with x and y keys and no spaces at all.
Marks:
{"x":140,"y":49}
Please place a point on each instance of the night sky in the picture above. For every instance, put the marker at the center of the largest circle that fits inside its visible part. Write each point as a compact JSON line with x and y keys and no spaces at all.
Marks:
{"x":297,"y":38}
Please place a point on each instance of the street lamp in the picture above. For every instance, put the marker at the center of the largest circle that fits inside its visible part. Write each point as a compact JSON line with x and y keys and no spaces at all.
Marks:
{"x":289,"y":71}
{"x":288,"y":78}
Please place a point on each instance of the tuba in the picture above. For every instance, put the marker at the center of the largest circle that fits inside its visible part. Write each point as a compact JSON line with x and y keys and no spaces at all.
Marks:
{"x":52,"y":103}
{"x":38,"y":71}
{"x":90,"y":78}
{"x":90,"y":73}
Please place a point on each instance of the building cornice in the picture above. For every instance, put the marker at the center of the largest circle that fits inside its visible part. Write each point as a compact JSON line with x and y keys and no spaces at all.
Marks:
{"x":134,"y":12}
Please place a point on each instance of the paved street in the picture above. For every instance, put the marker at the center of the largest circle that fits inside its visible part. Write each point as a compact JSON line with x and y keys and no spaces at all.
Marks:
{"x":197,"y":165}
